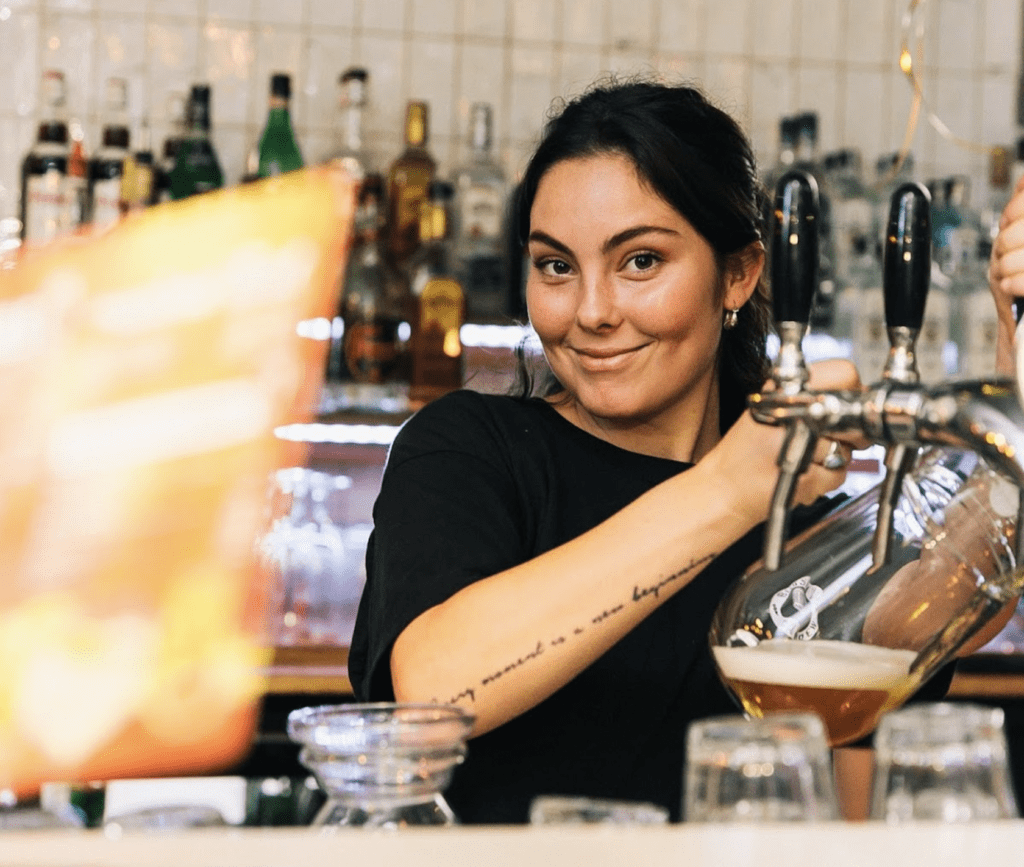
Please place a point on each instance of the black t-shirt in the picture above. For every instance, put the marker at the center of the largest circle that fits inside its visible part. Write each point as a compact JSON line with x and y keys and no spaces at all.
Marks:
{"x":476,"y":484}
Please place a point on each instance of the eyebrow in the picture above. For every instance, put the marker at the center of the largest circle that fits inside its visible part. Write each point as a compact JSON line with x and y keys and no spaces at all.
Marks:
{"x":609,"y":245}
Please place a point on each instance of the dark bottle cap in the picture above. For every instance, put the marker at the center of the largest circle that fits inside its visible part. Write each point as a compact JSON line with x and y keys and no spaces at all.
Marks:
{"x":281,"y":85}
{"x":198,"y":110}
{"x":356,"y":73}
{"x":440,"y":191}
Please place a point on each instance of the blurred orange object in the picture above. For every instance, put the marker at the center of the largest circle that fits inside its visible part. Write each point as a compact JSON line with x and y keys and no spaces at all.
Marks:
{"x":142,"y":374}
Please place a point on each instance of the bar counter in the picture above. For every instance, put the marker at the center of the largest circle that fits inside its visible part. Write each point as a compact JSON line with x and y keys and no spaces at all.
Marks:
{"x":831,"y":844}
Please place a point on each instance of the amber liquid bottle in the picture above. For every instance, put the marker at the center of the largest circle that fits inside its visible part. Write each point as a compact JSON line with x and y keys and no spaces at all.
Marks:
{"x":439,"y":305}
{"x":408,"y":183}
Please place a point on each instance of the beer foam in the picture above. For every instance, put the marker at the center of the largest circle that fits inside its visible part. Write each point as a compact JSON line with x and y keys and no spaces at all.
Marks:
{"x":821,"y":663}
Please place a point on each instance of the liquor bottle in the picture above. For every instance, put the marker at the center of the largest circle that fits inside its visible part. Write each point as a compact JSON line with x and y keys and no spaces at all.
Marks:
{"x":998,"y":194}
{"x":806,"y":157}
{"x":439,"y":306}
{"x":196,"y":168}
{"x":278,"y":150}
{"x":44,"y":171}
{"x":77,"y":197}
{"x":374,"y":301}
{"x":177,"y":109}
{"x":408,"y":181}
{"x":137,"y":182}
{"x":480,"y":195}
{"x":106,"y":168}
{"x":350,"y":147}
{"x":788,"y":127}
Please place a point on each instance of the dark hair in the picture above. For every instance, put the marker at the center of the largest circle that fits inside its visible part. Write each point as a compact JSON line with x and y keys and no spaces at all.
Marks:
{"x":698,"y":160}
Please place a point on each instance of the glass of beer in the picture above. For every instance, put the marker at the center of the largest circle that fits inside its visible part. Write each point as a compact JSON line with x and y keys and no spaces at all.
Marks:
{"x":773,"y":769}
{"x":834,"y":633}
{"x":942,"y":762}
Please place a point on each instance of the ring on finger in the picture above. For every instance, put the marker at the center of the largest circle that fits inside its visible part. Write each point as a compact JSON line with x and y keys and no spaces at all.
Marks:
{"x":834,"y":458}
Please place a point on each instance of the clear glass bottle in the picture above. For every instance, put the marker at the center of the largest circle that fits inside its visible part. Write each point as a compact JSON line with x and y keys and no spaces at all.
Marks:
{"x":408,"y":182}
{"x":374,"y":301}
{"x":786,"y":154}
{"x":382,"y":766}
{"x":196,"y":167}
{"x":278,"y":150}
{"x":139,"y":179}
{"x":44,"y":171}
{"x":106,"y":168}
{"x":478,"y":220}
{"x":435,"y":345}
{"x":350,"y":143}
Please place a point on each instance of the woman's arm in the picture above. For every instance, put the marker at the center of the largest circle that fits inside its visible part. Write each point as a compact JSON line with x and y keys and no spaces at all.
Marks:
{"x":527,"y":631}
{"x":1006,"y":276}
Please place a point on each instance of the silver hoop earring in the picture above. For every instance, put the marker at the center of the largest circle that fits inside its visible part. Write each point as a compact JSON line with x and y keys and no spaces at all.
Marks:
{"x":731,"y":318}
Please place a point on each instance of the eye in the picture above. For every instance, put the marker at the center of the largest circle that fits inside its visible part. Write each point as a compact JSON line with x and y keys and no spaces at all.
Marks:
{"x":639,"y":263}
{"x":552,"y":267}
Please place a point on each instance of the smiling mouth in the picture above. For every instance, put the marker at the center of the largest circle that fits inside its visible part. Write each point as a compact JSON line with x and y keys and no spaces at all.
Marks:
{"x":604,"y":358}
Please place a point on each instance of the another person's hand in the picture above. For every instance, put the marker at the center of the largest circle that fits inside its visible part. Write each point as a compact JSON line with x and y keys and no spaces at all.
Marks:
{"x":1006,"y":275}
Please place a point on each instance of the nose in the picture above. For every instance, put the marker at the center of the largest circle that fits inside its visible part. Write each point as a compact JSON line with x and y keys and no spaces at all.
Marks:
{"x":597,"y":309}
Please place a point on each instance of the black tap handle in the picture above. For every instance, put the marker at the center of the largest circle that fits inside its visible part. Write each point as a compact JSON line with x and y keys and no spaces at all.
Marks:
{"x":907,"y":259}
{"x":794,"y":253}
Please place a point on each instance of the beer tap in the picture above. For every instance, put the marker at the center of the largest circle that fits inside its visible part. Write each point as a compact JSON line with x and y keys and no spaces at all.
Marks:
{"x":794,"y":264}
{"x":906,"y":274}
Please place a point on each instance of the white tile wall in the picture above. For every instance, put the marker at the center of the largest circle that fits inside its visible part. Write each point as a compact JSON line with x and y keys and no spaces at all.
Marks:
{"x":759,"y":58}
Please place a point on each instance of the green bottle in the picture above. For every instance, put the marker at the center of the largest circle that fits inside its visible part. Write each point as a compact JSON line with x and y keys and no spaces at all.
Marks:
{"x":278,"y":150}
{"x":196,"y":168}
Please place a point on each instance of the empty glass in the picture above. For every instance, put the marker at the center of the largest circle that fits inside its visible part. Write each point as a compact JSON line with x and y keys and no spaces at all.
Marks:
{"x":942,"y":762}
{"x":382,"y":765}
{"x":565,"y":810}
{"x":773,"y":769}
{"x":315,"y":566}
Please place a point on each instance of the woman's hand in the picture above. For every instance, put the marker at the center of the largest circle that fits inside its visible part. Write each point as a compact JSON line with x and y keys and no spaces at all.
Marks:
{"x":1006,"y":276}
{"x":747,"y":456}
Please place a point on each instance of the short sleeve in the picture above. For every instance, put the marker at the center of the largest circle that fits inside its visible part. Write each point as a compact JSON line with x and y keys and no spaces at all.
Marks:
{"x":449,"y":513}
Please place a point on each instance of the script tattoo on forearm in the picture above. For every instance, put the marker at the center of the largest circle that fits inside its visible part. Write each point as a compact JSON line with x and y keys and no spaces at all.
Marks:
{"x":639,"y":594}
{"x":642,"y":592}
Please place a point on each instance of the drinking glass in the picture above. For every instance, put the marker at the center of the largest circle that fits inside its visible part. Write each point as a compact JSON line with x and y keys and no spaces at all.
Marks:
{"x":566,"y":810}
{"x":942,"y":762}
{"x":314,"y":565}
{"x":776,"y":768}
{"x":382,"y":765}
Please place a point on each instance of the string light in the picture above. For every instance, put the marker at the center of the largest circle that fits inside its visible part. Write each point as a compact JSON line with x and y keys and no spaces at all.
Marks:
{"x":911,"y":62}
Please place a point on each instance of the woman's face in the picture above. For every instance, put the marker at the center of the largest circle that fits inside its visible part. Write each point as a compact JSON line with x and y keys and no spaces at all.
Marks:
{"x":626,"y":296}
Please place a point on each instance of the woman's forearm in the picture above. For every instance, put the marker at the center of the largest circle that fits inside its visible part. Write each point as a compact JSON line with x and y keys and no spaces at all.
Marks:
{"x":503,"y":644}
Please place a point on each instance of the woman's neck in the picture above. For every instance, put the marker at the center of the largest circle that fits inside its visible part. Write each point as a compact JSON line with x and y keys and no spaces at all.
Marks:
{"x":683,"y":433}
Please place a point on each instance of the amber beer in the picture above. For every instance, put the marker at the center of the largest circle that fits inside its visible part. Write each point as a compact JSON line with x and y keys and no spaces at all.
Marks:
{"x":848,"y":685}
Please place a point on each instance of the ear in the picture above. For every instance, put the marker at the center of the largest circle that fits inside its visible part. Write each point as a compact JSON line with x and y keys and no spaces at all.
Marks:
{"x":742,"y":274}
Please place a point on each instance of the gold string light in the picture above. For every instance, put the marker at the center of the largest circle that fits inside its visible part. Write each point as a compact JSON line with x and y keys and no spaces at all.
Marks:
{"x":911,"y":60}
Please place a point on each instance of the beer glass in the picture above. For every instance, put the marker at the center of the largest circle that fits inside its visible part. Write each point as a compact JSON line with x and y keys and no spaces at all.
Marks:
{"x":942,"y":762}
{"x":565,"y":810}
{"x":382,"y":765}
{"x":832,"y":633}
{"x":773,"y":769}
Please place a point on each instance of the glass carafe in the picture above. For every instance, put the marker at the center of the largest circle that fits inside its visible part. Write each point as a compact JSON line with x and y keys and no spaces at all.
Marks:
{"x":382,"y":765}
{"x":831,"y":633}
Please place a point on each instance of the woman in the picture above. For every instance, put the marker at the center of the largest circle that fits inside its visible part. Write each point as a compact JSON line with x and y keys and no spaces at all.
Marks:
{"x":553,"y":563}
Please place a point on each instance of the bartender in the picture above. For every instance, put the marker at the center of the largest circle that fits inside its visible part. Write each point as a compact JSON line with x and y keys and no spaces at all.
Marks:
{"x":1006,"y":277}
{"x":551,"y":561}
